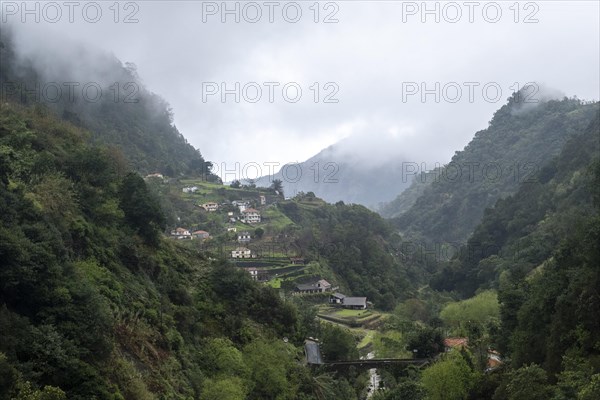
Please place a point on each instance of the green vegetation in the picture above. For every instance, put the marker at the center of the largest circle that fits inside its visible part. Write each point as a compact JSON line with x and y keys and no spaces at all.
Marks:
{"x":132,"y":119}
{"x":481,"y":310}
{"x":356,"y":244}
{"x":391,"y":344}
{"x":449,"y":378}
{"x":94,"y":303}
{"x":529,"y":274}
{"x":515,"y":146}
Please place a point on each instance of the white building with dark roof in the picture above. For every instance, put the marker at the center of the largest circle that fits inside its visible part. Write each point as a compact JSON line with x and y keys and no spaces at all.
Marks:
{"x":251,"y":216}
{"x":355,"y":303}
{"x":318,"y":287}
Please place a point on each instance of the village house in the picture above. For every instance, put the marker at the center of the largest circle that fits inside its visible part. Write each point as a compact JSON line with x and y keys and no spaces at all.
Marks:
{"x":251,"y":216}
{"x":244,"y":237}
{"x":210,"y":207}
{"x":355,"y":303}
{"x":155,"y":175}
{"x":455,"y":343}
{"x":190,"y":189}
{"x":241,"y":252}
{"x":263,"y":200}
{"x":494,"y":360}
{"x":259,"y":275}
{"x":231,"y":229}
{"x":201,"y":235}
{"x":318,"y":287}
{"x":253,"y":273}
{"x":336,"y":298}
{"x":242,"y":205}
{"x":181,"y":233}
{"x":297,"y":261}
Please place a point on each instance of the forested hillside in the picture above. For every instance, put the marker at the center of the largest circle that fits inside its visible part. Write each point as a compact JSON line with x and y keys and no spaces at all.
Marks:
{"x":96,"y":304}
{"x":356,"y":243}
{"x":521,"y":232}
{"x":540,"y":249}
{"x":97,"y":92}
{"x":520,"y":140}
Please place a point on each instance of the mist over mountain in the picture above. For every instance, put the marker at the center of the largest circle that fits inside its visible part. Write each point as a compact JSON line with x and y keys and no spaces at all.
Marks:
{"x":97,"y":92}
{"x":444,"y":205}
{"x":357,"y":169}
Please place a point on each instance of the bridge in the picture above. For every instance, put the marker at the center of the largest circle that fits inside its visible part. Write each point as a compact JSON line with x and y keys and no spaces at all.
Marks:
{"x":377,"y":363}
{"x":313,"y":357}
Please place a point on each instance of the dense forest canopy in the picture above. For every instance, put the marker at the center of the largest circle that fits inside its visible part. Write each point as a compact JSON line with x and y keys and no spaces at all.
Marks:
{"x":96,"y":302}
{"x":445,"y":205}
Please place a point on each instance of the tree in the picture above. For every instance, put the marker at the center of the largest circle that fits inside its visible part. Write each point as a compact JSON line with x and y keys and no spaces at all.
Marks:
{"x":236,"y":184}
{"x":529,"y":383}
{"x":26,"y":392}
{"x":592,"y":390}
{"x":222,"y":358}
{"x":228,"y":388}
{"x":477,"y":311}
{"x":270,"y":362}
{"x":259,"y":232}
{"x":449,"y":379}
{"x":338,"y":343}
{"x":427,"y":342}
{"x":277,"y":187}
{"x":142,"y":210}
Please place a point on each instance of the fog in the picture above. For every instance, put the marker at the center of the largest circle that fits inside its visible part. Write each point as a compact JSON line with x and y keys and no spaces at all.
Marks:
{"x":391,"y":81}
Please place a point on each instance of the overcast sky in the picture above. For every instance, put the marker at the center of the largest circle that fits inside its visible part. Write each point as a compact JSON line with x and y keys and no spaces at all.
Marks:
{"x":371,"y":61}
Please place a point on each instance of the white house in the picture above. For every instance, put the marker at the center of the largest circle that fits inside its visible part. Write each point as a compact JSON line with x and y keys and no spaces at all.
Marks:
{"x":318,"y":287}
{"x":241,"y":252}
{"x":260,"y":275}
{"x":253,"y":273}
{"x":210,"y":207}
{"x":231,"y":229}
{"x":241,"y":204}
{"x":190,"y":189}
{"x":355,"y":303}
{"x":244,"y":237}
{"x":181,"y":233}
{"x":263,"y":200}
{"x":251,"y":216}
{"x":336,"y":298}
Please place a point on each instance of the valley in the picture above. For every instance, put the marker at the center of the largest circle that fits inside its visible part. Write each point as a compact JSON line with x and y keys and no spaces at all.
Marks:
{"x":130,"y":270}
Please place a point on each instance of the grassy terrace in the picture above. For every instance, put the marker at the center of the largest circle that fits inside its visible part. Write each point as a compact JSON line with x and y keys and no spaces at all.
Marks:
{"x":274,"y":218}
{"x":351,"y":318}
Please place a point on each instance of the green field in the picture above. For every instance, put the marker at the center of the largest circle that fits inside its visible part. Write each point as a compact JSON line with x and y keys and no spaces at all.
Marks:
{"x":352,"y":313}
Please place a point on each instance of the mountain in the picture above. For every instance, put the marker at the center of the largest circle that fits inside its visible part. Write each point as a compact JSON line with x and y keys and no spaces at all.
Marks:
{"x":95,"y":91}
{"x":356,"y":244}
{"x":342,"y":172}
{"x":522,"y":231}
{"x":95,"y":303}
{"x":444,"y":206}
{"x":539,"y":248}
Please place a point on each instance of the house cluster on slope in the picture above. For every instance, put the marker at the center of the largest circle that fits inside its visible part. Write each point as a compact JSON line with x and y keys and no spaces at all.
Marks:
{"x":183,"y":234}
{"x":237,"y":210}
{"x":247,"y":215}
{"x":322,"y":286}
